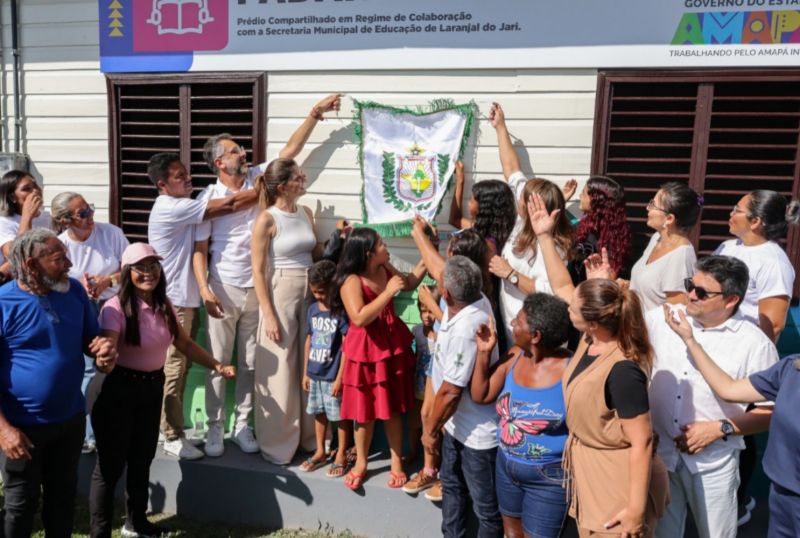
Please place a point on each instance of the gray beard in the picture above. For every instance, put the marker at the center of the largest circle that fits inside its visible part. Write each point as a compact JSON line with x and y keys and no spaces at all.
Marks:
{"x":61,"y":286}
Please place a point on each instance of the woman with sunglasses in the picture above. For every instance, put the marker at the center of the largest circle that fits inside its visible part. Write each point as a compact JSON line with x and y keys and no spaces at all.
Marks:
{"x":95,"y":250}
{"x":758,"y":221}
{"x":20,"y":210}
{"x":657,"y":277}
{"x":142,"y":323}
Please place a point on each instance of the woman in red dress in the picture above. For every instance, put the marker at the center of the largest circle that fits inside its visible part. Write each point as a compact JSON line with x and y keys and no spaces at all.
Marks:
{"x":378,"y":379}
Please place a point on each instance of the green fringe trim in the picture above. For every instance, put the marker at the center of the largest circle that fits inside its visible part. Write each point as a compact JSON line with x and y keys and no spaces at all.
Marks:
{"x":437,"y":105}
{"x":389,"y":229}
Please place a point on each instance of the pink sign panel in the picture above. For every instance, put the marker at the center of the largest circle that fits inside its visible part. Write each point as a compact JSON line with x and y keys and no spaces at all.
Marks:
{"x":179,"y":25}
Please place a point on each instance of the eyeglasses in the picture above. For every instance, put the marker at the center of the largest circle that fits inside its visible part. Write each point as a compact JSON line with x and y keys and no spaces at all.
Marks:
{"x":736,"y":209}
{"x":238,"y":150}
{"x":652,"y":205}
{"x":86,"y":212}
{"x":700,"y":292}
{"x":44,"y":302}
{"x":146,"y":268}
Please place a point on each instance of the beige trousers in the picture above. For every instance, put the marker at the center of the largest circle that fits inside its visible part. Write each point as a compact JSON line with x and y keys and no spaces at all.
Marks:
{"x":238,"y":326}
{"x":175,"y":369}
{"x":282,"y":425}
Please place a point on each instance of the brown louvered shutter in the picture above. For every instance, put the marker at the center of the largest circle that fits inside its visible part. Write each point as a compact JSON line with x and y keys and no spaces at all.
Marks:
{"x":175,"y":113}
{"x":725,"y":133}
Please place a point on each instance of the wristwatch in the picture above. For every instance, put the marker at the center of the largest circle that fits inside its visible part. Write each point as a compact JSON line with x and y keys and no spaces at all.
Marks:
{"x":727,"y":429}
{"x":513,"y":278}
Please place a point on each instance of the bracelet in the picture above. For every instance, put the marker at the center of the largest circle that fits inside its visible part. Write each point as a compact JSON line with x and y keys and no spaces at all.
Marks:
{"x":509,"y":274}
{"x":316,"y":113}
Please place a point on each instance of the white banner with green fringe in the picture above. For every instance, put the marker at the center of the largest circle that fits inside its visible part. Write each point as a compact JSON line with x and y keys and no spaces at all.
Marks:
{"x":407,"y":158}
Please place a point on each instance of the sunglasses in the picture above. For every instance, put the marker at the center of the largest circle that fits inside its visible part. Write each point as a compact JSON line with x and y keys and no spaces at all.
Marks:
{"x":86,"y":212}
{"x":146,"y":268}
{"x":700,"y":292}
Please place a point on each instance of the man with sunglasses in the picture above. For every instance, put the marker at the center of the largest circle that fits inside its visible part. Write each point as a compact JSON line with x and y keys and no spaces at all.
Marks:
{"x":47,"y":323}
{"x":700,"y":435}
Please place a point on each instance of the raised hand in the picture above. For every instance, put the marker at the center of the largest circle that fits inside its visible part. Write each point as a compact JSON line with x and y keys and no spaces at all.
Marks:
{"x":331,"y":102}
{"x":598,"y":266}
{"x":542,"y":221}
{"x":459,"y":171}
{"x":395,"y":284}
{"x":569,"y":188}
{"x":485,"y":338}
{"x":497,"y":116}
{"x":500,"y":267}
{"x":679,"y":324}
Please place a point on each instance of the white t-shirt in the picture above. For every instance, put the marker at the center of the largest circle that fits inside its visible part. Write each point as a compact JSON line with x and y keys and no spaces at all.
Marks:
{"x":9,"y":226}
{"x":771,"y":272}
{"x":679,"y":395}
{"x":100,"y":254}
{"x":230,"y":235}
{"x":454,"y":356}
{"x":533,"y":267}
{"x":171,"y":231}
{"x":652,"y":281}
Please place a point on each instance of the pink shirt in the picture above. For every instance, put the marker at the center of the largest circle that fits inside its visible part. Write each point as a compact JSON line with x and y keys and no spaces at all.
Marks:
{"x":154,"y":336}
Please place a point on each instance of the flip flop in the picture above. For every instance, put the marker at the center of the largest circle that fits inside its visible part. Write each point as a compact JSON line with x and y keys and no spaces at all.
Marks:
{"x":312,"y":465}
{"x":336,"y":470}
{"x":354,"y":481}
{"x":397,"y":480}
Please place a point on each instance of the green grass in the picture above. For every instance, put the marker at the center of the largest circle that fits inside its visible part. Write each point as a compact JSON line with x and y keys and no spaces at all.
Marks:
{"x":186,"y":528}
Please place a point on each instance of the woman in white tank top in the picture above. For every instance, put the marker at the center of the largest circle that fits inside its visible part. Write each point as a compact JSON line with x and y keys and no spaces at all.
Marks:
{"x":284,"y":248}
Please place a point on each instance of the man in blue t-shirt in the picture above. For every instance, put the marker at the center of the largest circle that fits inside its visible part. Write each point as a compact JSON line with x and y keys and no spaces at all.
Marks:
{"x":46,"y":325}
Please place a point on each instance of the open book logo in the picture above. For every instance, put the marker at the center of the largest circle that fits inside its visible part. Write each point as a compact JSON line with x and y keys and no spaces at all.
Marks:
{"x":196,"y":11}
{"x":180,"y":25}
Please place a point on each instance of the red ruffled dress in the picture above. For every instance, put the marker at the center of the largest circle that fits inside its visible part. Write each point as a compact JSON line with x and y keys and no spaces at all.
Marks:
{"x":378,"y":377}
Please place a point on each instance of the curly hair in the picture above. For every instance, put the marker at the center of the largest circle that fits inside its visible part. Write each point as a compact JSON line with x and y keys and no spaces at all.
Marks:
{"x":607,"y":220}
{"x":497,"y":211}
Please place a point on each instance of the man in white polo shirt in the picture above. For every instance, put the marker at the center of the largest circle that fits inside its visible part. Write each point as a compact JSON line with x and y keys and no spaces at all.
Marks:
{"x":226,"y":280}
{"x":700,"y":435}
{"x":171,"y":231}
{"x":469,"y":447}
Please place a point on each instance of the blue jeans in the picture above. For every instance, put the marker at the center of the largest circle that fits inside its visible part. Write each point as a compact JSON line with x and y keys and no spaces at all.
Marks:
{"x":532,"y":493}
{"x":784,"y":513}
{"x":88,"y":375}
{"x":466,"y":474}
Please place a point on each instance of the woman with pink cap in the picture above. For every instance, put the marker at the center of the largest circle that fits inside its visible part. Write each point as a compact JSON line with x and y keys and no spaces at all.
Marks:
{"x":142,"y":322}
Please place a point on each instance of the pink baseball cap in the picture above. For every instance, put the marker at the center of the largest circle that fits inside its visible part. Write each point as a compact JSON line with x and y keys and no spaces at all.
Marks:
{"x":136,"y":252}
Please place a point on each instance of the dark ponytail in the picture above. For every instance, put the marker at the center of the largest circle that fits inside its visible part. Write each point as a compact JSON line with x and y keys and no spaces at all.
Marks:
{"x":775,"y":213}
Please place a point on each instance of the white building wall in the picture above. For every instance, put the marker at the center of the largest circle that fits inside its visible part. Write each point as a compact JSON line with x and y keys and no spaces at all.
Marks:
{"x":65,"y":124}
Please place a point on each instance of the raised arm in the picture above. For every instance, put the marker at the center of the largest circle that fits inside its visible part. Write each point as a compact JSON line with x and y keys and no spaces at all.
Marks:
{"x":543,"y":224}
{"x":487,"y":382}
{"x":457,"y":218}
{"x":361,"y":313}
{"x":426,"y":298}
{"x":263,"y":230}
{"x":727,"y":388}
{"x":429,"y":254}
{"x":508,"y":155}
{"x":299,"y":138}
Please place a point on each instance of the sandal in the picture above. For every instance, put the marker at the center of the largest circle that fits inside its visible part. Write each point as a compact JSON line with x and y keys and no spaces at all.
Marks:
{"x":312,"y":465}
{"x":336,"y":470}
{"x":354,"y":481}
{"x":397,"y":480}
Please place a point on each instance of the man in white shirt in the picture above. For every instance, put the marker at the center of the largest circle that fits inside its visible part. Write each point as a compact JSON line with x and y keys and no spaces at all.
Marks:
{"x":700,"y":434}
{"x":171,"y":231}
{"x":226,"y":280}
{"x":469,"y":446}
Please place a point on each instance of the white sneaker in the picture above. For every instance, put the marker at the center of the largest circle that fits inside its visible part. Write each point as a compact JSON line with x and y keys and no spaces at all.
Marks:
{"x":214,"y":445}
{"x":182,"y":449}
{"x":245,"y":439}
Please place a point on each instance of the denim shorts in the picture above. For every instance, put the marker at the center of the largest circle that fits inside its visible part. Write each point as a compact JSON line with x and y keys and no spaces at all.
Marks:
{"x":533,"y":493}
{"x":321,"y":400}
